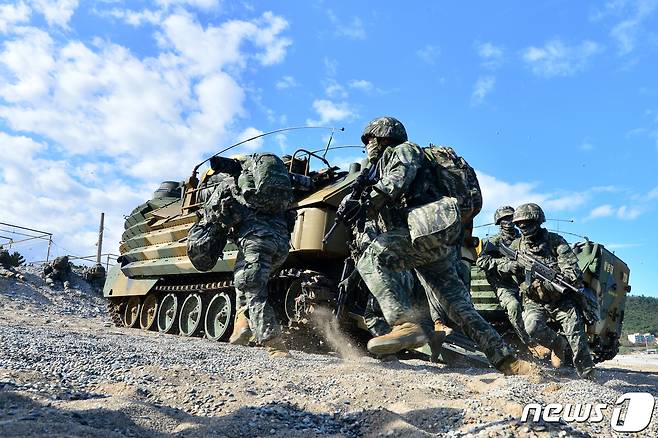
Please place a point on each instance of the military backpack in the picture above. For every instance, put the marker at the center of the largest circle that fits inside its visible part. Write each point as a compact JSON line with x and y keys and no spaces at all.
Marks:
{"x":456,"y":178}
{"x":265,"y":183}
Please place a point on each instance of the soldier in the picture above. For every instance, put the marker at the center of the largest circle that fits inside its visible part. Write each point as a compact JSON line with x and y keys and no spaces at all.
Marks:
{"x":541,"y":302}
{"x":261,"y":233}
{"x":406,"y":184}
{"x":58,"y":270}
{"x":7,"y":266}
{"x":506,"y":288}
{"x":95,"y":275}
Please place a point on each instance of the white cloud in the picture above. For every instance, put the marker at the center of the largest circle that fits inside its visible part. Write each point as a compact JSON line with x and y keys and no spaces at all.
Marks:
{"x":653,"y":194}
{"x":335,"y":91}
{"x":286,"y":82}
{"x":628,"y":213}
{"x":615,"y":246}
{"x":483,"y":86}
{"x":352,"y":29}
{"x":330,"y":112}
{"x":11,"y":14}
{"x":604,"y":210}
{"x":633,"y":15}
{"x":429,"y":53}
{"x":361,"y":84}
{"x":117,"y":122}
{"x":56,"y":12}
{"x":497,"y":192}
{"x":556,"y":58}
{"x":137,"y":18}
{"x":492,"y":55}
{"x":201,"y":4}
{"x":252,"y":145}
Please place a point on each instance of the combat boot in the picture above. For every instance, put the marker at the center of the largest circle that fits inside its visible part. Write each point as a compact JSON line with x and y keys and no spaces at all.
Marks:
{"x":241,"y":331}
{"x":558,"y":353}
{"x":588,"y":374}
{"x":517,"y":367}
{"x":276,"y":348}
{"x":403,"y":336}
{"x":539,"y":351}
{"x":441,"y":327}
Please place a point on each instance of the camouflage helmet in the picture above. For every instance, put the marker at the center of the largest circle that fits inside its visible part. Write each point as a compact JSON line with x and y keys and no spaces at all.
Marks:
{"x":529,"y":212}
{"x":501,"y":212}
{"x":385,"y":127}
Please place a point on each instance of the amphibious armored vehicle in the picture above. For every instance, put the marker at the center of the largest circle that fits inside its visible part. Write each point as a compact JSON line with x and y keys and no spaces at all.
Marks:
{"x":155,"y":287}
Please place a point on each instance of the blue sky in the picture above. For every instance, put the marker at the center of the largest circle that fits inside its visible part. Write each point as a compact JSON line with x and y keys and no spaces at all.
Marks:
{"x":555,"y":103}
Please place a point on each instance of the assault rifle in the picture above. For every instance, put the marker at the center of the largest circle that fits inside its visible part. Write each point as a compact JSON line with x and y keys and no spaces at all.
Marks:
{"x":353,"y":209}
{"x":348,"y":280}
{"x":535,"y":269}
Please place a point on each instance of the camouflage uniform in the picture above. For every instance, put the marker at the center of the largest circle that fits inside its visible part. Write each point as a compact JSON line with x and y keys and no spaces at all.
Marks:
{"x":58,"y":270}
{"x":405,"y":182}
{"x":506,"y":288}
{"x":263,"y":241}
{"x":541,"y":303}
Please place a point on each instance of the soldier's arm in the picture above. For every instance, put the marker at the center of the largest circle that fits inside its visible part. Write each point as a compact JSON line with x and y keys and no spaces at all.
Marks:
{"x":397,"y":173}
{"x":568,"y":262}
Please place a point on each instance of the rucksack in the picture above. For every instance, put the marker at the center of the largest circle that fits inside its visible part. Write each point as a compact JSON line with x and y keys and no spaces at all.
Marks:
{"x":265,"y":183}
{"x":205,"y":244}
{"x":456,"y":178}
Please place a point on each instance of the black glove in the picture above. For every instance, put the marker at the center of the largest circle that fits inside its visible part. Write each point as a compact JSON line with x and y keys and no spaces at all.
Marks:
{"x":348,"y":209}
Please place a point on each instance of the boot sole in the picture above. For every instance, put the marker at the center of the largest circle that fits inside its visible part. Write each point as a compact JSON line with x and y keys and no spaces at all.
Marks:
{"x":241,"y":338}
{"x":395,"y":345}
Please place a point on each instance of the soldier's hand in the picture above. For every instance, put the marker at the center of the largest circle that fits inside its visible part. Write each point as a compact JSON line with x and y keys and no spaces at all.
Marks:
{"x":348,"y":208}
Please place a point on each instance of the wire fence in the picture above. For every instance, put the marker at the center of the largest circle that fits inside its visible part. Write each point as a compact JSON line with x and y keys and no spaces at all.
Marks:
{"x":12,"y":235}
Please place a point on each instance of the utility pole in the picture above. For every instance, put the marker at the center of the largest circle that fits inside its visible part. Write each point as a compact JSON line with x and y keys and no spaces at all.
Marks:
{"x":99,"y":245}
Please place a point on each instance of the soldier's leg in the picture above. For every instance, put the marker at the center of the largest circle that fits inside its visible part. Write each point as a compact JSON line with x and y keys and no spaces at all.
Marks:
{"x":241,"y":330}
{"x":535,"y":317}
{"x":380,"y":267}
{"x":441,"y":281}
{"x":262,"y":255}
{"x":509,"y":300}
{"x":569,"y":318}
{"x":375,"y":321}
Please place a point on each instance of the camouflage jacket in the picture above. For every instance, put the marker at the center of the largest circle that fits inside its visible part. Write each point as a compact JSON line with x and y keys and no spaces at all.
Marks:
{"x":405,"y":179}
{"x":226,"y":205}
{"x":489,"y":261}
{"x":554,"y":251}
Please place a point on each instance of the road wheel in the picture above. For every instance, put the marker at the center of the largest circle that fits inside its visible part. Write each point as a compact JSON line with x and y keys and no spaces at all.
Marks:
{"x":168,"y":314}
{"x":191,"y":315}
{"x":131,"y":314}
{"x":149,"y":312}
{"x":219,"y":317}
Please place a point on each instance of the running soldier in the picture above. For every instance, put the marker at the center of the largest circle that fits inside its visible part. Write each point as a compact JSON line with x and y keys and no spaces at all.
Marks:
{"x":507,"y":290}
{"x":421,"y":228}
{"x":251,"y":203}
{"x":541,"y":301}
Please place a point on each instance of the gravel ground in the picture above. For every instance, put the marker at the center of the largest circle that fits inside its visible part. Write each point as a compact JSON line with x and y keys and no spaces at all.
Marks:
{"x":66,"y":371}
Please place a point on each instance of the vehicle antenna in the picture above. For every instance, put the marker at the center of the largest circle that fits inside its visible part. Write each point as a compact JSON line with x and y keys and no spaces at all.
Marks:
{"x":196,"y":168}
{"x":331,"y":137}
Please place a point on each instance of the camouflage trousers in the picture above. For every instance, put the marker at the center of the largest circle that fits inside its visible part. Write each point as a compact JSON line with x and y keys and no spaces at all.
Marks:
{"x":374,"y":318}
{"x":438,"y":313}
{"x":258,"y":256}
{"x":391,"y":253}
{"x":509,"y":300}
{"x":566,"y":313}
